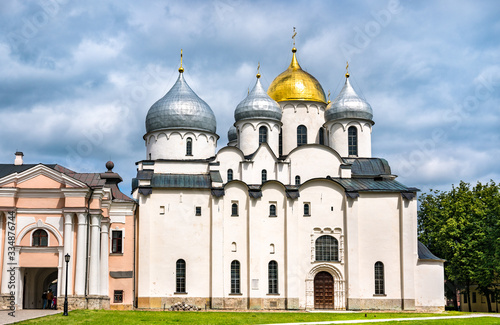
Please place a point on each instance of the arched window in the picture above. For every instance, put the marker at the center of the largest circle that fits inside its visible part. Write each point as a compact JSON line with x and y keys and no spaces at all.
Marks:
{"x":234,"y":209}
{"x":327,"y":248}
{"x":321,"y":135}
{"x":353,"y":140}
{"x":307,"y":209}
{"x":180,"y":276}
{"x":301,"y":135}
{"x":235,"y":277}
{"x":189,"y":147}
{"x":264,"y":175}
{"x":233,"y":247}
{"x":229,"y":175}
{"x":297,"y":180}
{"x":262,"y":134}
{"x":40,"y":238}
{"x":273,"y":277}
{"x":379,"y":278}
{"x":272,"y":210}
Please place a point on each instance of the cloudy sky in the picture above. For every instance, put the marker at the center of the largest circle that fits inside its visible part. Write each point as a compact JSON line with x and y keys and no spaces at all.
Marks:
{"x":77,"y":78}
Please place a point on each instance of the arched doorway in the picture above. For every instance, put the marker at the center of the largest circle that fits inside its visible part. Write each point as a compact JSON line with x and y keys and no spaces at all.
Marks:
{"x":323,"y":291}
{"x":36,"y":281}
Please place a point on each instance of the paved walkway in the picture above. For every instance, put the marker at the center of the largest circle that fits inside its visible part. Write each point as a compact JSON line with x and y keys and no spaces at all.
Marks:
{"x":362,"y":321}
{"x":25,"y":314}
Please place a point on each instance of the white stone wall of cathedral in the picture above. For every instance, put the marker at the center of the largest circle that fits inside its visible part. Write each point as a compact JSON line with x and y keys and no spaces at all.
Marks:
{"x":429,"y":288}
{"x":248,"y":131}
{"x":169,"y":212}
{"x":375,"y":236}
{"x":309,"y":114}
{"x":172,"y":144}
{"x":338,"y":137}
{"x":325,"y":161}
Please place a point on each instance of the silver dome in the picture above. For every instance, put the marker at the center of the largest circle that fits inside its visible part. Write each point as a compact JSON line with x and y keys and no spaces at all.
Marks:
{"x":231,"y":134}
{"x":258,"y":104}
{"x":348,"y":105}
{"x":181,"y":108}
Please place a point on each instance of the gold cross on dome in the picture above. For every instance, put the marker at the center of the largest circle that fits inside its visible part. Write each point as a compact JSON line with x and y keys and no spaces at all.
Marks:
{"x":293,"y":36}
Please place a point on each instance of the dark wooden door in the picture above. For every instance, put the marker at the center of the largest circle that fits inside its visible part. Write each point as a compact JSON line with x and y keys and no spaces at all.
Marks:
{"x":323,"y":291}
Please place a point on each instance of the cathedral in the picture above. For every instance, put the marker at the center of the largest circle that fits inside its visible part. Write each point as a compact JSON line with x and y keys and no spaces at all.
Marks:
{"x":294,"y":213}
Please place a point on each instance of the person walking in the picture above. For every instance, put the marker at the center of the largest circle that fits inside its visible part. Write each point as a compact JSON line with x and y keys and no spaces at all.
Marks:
{"x":50,"y":296}
{"x":44,"y":298}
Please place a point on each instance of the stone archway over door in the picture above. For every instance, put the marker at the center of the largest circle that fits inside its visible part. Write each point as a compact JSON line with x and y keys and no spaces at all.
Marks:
{"x":323,"y":291}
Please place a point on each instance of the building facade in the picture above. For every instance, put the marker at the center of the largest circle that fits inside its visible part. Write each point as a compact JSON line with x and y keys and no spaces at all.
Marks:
{"x":294,"y":213}
{"x":48,"y":212}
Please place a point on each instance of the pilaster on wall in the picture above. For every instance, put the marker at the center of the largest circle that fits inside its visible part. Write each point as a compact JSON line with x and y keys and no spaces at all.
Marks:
{"x":408,"y":249}
{"x":68,"y":249}
{"x":352,"y":266}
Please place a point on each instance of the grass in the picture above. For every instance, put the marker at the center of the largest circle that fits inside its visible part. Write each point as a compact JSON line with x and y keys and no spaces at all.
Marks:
{"x":152,"y":317}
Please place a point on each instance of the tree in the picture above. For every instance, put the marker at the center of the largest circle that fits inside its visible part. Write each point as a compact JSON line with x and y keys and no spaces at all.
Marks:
{"x":463,"y":227}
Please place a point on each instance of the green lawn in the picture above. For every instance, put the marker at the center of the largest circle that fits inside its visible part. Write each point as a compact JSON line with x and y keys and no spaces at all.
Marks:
{"x":148,"y":317}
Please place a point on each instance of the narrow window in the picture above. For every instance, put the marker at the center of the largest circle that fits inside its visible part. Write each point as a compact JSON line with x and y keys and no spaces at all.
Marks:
{"x":353,"y":140}
{"x":273,"y":277}
{"x":233,"y":247}
{"x":465,"y":298}
{"x":297,"y":180}
{"x":262,"y":134}
{"x":229,"y":175}
{"x":272,"y":210}
{"x":280,"y":144}
{"x":118,"y":296}
{"x":234,"y":209}
{"x":264,"y":175}
{"x":198,"y":211}
{"x":116,"y":241}
{"x":271,"y":249}
{"x":40,"y":238}
{"x":327,"y":249}
{"x":235,"y":277}
{"x":162,"y":209}
{"x":321,"y":135}
{"x":301,"y":135}
{"x":189,"y":147}
{"x":149,"y":156}
{"x":307,"y":209}
{"x":180,"y":276}
{"x":379,"y":278}
{"x":473,"y":297}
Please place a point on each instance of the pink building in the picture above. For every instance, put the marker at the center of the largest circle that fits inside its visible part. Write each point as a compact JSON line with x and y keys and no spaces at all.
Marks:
{"x":48,"y":211}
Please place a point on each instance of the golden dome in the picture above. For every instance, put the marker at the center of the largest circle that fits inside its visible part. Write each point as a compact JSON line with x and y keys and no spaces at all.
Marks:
{"x":296,"y":84}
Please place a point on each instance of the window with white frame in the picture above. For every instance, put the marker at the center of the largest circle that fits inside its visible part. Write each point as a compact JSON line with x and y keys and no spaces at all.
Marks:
{"x":116,"y":241}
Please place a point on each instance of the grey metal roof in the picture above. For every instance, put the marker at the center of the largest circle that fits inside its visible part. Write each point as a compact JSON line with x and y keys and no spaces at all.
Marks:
{"x":215,"y":176}
{"x":258,"y":104}
{"x":368,"y":166}
{"x":231,"y":134}
{"x":7,"y":169}
{"x":348,"y":105}
{"x":181,"y":180}
{"x":370,"y":185}
{"x":181,"y":108}
{"x":425,"y":254}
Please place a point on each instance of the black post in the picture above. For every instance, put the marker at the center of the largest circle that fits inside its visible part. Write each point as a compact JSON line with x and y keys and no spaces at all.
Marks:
{"x":66,"y":291}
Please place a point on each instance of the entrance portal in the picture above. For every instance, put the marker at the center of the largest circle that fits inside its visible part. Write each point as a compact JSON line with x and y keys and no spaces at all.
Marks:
{"x":323,"y":291}
{"x":36,"y":281}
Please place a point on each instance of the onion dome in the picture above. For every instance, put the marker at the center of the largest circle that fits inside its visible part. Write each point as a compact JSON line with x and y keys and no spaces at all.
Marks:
{"x":231,"y":134}
{"x":348,"y":105}
{"x":181,"y":108}
{"x":296,"y":84}
{"x":258,"y":105}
